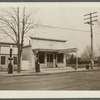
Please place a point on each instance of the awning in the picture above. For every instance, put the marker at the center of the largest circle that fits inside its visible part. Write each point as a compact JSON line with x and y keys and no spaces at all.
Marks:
{"x":45,"y":50}
{"x":71,"y":50}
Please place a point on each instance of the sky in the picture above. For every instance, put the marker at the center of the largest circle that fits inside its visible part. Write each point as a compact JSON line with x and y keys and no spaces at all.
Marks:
{"x":68,"y":17}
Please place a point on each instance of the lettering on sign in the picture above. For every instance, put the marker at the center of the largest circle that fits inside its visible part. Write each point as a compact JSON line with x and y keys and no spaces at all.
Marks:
{"x":72,"y":50}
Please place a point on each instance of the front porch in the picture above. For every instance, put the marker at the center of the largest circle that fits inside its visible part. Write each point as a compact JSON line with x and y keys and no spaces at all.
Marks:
{"x":50,"y":59}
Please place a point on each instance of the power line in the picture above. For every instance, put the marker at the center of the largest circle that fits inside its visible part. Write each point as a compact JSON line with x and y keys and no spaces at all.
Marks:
{"x":57,"y":28}
{"x":63,"y":28}
{"x":66,"y":28}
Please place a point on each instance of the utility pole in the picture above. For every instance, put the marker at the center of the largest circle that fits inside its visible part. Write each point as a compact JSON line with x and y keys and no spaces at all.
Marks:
{"x":76,"y":59}
{"x":90,"y":21}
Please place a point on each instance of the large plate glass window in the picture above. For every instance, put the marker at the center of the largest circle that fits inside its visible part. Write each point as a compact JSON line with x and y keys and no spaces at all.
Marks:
{"x":41,"y":57}
{"x":60,"y":58}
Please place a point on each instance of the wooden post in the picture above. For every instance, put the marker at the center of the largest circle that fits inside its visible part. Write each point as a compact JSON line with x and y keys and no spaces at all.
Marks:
{"x":76,"y":60}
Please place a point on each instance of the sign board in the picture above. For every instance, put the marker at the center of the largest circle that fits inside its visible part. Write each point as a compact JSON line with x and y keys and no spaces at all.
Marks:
{"x":71,"y":50}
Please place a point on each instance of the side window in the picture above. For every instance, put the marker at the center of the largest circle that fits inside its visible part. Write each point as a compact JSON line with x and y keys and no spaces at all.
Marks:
{"x":15,"y":60}
{"x":41,"y":57}
{"x":3,"y":60}
{"x":60,"y":58}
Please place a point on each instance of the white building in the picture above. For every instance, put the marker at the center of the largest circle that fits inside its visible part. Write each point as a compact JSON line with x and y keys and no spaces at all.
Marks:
{"x":51,"y":52}
{"x":5,"y":54}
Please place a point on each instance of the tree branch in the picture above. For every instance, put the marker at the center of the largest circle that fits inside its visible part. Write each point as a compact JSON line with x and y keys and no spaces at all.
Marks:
{"x":8,"y":35}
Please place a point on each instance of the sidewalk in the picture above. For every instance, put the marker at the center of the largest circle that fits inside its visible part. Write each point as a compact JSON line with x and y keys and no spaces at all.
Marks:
{"x":45,"y":71}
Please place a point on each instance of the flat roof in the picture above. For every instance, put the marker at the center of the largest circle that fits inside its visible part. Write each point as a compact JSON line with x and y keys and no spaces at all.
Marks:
{"x":56,"y":40}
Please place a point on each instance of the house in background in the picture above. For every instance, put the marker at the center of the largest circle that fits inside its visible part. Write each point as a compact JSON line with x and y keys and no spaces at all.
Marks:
{"x":5,"y":54}
{"x":50,"y":52}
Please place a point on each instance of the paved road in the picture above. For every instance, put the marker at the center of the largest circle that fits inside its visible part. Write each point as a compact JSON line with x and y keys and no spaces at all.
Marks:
{"x":62,"y":81}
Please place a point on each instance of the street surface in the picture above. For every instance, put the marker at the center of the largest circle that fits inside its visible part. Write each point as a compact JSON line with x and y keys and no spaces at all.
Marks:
{"x":60,"y":81}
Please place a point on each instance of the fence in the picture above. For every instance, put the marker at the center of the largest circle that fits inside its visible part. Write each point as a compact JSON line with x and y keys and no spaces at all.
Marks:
{"x":80,"y":65}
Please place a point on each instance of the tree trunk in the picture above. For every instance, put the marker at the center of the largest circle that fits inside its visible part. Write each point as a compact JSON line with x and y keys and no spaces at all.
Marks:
{"x":19,"y":60}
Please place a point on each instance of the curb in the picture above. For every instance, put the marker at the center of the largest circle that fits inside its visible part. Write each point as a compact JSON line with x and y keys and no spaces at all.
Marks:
{"x":42,"y":73}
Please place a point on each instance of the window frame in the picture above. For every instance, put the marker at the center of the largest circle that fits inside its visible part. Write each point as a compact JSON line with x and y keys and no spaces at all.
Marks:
{"x":15,"y":60}
{"x":59,"y":58}
{"x":41,"y":54}
{"x":4,"y":60}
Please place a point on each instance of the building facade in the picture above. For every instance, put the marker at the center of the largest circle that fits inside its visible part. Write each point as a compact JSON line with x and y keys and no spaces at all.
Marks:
{"x":49,"y":52}
{"x":5,"y":54}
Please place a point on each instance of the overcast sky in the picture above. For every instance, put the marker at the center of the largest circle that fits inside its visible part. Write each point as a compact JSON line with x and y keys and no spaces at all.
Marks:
{"x":71,"y":18}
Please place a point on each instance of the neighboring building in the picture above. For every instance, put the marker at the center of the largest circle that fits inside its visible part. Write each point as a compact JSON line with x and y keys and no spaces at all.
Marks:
{"x":5,"y":54}
{"x":50,"y":52}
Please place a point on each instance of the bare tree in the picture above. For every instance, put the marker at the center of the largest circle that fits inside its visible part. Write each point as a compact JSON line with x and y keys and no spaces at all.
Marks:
{"x":87,"y":53}
{"x":16,"y":22}
{"x":98,"y":55}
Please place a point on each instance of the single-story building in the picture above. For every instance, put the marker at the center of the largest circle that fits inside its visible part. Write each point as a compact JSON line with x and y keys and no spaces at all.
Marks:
{"x":5,"y":54}
{"x":50,"y":52}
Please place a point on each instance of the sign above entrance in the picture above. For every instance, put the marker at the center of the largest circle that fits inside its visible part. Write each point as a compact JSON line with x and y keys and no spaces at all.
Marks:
{"x":71,"y":50}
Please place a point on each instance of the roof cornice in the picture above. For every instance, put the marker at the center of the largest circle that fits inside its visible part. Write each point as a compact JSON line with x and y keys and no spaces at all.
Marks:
{"x":56,"y":40}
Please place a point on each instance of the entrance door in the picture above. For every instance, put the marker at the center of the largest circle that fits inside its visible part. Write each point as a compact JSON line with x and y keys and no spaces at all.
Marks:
{"x":50,"y":60}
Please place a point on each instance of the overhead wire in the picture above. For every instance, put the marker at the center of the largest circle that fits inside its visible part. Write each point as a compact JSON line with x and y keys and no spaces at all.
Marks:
{"x":57,"y":28}
{"x":66,"y":28}
{"x":63,"y":28}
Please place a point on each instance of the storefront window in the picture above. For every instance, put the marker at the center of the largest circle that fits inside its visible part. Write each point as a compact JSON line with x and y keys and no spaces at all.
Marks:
{"x":41,"y":57}
{"x":60,"y":58}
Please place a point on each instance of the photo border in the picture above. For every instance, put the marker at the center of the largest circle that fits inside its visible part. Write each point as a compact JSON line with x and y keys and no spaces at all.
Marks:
{"x":76,"y":95}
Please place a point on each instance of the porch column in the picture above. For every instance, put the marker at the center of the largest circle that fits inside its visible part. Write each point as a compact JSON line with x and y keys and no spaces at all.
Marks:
{"x":55,"y":59}
{"x":45,"y":59}
{"x":37,"y":63}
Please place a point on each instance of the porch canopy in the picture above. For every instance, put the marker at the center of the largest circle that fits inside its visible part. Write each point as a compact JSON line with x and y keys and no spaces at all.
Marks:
{"x":71,"y":50}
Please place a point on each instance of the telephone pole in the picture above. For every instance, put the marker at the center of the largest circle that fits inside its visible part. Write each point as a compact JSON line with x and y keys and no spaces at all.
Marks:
{"x":91,"y":18}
